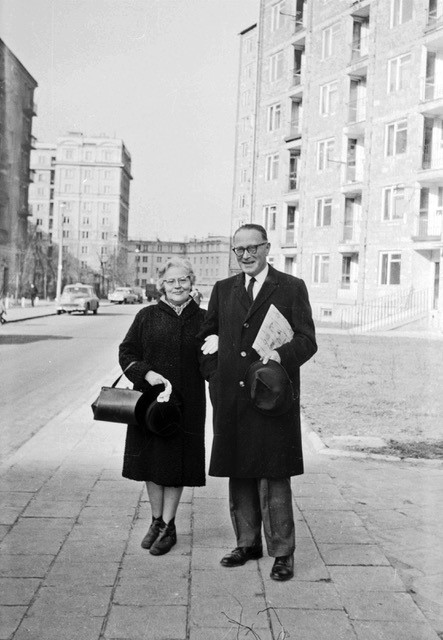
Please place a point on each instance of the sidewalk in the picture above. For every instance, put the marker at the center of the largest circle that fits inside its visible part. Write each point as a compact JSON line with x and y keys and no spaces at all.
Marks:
{"x":40,"y":310}
{"x":369,"y":559}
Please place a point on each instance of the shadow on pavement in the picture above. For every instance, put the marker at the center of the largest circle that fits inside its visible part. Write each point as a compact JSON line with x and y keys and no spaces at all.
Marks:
{"x":27,"y":339}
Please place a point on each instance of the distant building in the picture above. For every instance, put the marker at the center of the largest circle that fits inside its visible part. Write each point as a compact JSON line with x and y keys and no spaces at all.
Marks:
{"x":347,"y":169}
{"x":17,"y":109}
{"x":80,"y":198}
{"x":208,"y":256}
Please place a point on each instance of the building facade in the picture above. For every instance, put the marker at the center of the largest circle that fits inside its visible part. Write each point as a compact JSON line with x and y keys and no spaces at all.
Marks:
{"x":208,"y":256}
{"x":348,"y":161}
{"x":17,"y":109}
{"x":80,"y":201}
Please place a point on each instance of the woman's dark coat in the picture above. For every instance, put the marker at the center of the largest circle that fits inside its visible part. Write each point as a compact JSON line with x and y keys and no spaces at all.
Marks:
{"x":162,"y":341}
{"x":247,"y":443}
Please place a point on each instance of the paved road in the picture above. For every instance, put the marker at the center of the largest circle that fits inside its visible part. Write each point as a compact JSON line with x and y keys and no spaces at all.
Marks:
{"x":49,"y":362}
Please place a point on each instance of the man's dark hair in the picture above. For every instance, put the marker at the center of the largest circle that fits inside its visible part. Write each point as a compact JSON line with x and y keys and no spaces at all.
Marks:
{"x":256,"y":227}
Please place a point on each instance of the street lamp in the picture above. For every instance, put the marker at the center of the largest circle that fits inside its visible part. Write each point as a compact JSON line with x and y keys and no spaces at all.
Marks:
{"x":60,"y":252}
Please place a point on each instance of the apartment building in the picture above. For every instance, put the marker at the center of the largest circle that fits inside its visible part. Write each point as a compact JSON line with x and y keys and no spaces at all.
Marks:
{"x":209,"y":257}
{"x":348,"y":157}
{"x":80,"y":201}
{"x":17,"y":109}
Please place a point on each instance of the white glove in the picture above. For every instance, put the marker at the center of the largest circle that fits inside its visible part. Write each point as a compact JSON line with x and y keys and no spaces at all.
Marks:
{"x":156,"y":378}
{"x":273,"y":355}
{"x":210,"y":345}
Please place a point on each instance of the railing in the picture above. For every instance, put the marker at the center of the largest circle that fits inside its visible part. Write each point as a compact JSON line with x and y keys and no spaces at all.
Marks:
{"x":388,"y":310}
{"x":431,"y":90}
{"x":296,"y":77}
{"x":289,"y":237}
{"x":432,"y":157}
{"x":428,"y":225}
{"x":435,"y":17}
{"x":354,"y":172}
{"x":295,"y":128}
{"x":357,"y":110}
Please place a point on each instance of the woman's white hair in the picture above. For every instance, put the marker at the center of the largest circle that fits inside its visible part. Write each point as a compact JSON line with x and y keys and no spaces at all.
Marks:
{"x":182,"y":263}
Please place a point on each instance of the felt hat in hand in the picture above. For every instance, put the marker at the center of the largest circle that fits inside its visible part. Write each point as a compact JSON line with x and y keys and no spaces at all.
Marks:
{"x":161,"y":418}
{"x":269,"y":388}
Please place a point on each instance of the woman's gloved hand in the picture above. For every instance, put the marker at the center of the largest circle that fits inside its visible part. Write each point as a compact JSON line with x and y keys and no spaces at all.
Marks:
{"x":153,"y":378}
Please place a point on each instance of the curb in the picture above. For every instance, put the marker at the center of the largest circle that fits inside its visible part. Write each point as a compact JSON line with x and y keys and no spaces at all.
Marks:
{"x":41,"y":315}
{"x":321,"y":448}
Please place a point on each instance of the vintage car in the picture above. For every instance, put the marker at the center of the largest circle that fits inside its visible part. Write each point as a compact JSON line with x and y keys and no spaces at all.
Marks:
{"x":78,"y":297}
{"x":123,"y":295}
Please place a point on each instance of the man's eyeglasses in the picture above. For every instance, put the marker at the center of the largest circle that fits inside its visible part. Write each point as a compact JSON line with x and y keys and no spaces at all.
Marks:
{"x":181,"y":282}
{"x":251,"y":249}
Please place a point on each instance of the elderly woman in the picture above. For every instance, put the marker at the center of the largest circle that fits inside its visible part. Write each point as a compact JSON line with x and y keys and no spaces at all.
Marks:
{"x":161,"y":344}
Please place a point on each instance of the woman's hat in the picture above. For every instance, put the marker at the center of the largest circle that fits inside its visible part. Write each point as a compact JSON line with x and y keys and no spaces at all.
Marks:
{"x":269,"y":387}
{"x":160,"y":418}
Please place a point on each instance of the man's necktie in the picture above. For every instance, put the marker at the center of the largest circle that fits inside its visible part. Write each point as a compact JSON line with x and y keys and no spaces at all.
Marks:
{"x":249,"y":290}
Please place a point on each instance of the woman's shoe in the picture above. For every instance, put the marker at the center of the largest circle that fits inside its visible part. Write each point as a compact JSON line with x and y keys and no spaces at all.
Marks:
{"x":165,"y":541}
{"x":153,"y":533}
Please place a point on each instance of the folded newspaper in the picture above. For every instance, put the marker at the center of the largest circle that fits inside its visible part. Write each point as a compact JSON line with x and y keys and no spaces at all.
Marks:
{"x":274,"y":331}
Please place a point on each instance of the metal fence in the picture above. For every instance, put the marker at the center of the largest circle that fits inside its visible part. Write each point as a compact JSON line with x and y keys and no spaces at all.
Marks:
{"x":388,"y":310}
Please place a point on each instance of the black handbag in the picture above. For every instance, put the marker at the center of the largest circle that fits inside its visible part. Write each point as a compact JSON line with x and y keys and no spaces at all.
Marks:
{"x":118,"y":405}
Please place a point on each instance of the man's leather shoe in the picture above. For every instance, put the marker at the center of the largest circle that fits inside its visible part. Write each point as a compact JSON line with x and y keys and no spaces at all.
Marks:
{"x":240,"y":555}
{"x":283,"y":568}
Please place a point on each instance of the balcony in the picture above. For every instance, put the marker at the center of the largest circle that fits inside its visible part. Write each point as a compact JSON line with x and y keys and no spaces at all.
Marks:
{"x":353,"y":179}
{"x":289,"y":238}
{"x":434,"y":29}
{"x":432,"y":164}
{"x":435,"y":18}
{"x":359,"y":56}
{"x":428,"y":225}
{"x":296,"y":79}
{"x":432,"y":97}
{"x":293,"y":181}
{"x":356,"y":118}
{"x":294,"y":131}
{"x":31,"y":175}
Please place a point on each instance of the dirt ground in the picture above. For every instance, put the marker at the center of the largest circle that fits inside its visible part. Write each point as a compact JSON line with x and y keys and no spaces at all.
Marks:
{"x":376,"y":393}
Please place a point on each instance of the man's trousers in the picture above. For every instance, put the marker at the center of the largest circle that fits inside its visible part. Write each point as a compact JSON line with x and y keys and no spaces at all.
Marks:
{"x":267,"y":501}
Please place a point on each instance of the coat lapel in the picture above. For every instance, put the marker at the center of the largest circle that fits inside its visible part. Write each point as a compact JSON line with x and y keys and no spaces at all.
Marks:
{"x":268,"y":287}
{"x":240,"y":291}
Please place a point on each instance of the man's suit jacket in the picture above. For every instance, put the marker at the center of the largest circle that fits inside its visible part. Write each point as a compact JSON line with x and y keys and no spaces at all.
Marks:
{"x":247,"y":443}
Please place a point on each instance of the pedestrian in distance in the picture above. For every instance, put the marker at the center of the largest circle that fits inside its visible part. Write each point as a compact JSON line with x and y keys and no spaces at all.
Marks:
{"x":162,"y":349}
{"x":257,"y":448}
{"x":2,"y":311}
{"x":33,"y":294}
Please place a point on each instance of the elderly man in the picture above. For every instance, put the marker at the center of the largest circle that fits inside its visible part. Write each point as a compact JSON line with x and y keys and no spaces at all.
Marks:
{"x":258,"y":451}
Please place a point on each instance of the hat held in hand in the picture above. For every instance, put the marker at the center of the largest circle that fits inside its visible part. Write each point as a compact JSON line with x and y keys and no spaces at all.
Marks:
{"x":161,"y":418}
{"x":269,"y":387}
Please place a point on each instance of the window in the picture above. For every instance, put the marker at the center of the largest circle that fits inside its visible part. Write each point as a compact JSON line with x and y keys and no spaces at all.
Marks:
{"x":323,"y":211}
{"x":87,"y":173}
{"x":104,"y":251}
{"x":243,"y":175}
{"x":65,"y":233}
{"x":85,"y":234}
{"x":144,"y":269}
{"x":274,"y":117}
{"x":244,"y":149}
{"x":390,"y":266}
{"x":346,"y":272}
{"x":328,"y":98}
{"x":106,"y":206}
{"x":272,"y":167}
{"x":269,"y":217}
{"x":108,"y":175}
{"x":393,"y":203}
{"x":325,"y":151}
{"x":85,"y":220}
{"x":248,"y":45}
{"x":276,"y":66}
{"x":105,"y":235}
{"x":398,"y":73}
{"x":242,"y":201}
{"x":69,"y":154}
{"x":105,"y":221}
{"x":106,"y":189}
{"x":246,"y":97}
{"x":87,"y":188}
{"x":87,"y":206}
{"x":67,"y":188}
{"x":248,"y":71}
{"x":69,"y":173}
{"x":276,"y":16}
{"x":39,"y":222}
{"x":145,"y":259}
{"x":320,"y":274}
{"x":401,"y":11}
{"x":328,"y":40}
{"x":396,"y":137}
{"x":84,"y":249}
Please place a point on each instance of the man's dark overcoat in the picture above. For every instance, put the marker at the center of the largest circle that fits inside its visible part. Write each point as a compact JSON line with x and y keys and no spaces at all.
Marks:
{"x":165,"y":342}
{"x":247,"y":443}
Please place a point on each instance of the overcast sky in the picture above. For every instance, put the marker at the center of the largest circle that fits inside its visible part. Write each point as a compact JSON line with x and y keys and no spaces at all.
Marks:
{"x":162,"y":75}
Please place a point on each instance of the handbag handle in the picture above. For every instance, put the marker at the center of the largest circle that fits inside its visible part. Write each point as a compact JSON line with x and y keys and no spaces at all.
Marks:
{"x":122,"y":374}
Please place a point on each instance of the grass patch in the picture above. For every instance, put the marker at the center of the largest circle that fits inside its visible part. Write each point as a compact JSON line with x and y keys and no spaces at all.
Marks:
{"x":386,"y":387}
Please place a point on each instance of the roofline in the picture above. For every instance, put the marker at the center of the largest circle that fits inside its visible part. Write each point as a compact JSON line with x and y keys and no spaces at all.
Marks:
{"x":21,"y":65}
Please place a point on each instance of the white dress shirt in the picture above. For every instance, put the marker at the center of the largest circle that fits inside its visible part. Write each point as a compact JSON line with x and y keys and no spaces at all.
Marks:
{"x":259,"y":280}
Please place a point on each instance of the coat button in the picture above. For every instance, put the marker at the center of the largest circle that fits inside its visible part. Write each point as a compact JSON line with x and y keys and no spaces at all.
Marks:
{"x":243,"y":354}
{"x":246,"y":325}
{"x":241,"y":383}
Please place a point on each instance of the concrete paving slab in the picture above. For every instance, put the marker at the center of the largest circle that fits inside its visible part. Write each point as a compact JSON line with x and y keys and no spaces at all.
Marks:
{"x":10,"y":618}
{"x":82,"y":577}
{"x":24,"y":566}
{"x":156,"y":568}
{"x":359,"y":579}
{"x":315,"y":625}
{"x":352,"y":554}
{"x":56,"y":626}
{"x":45,"y":508}
{"x":234,"y":632}
{"x":140,"y":623}
{"x":381,"y":606}
{"x":297,"y":594}
{"x":394,"y":631}
{"x":17,"y":591}
{"x":226,"y":582}
{"x":147,"y":591}
{"x":217,"y":611}
{"x":37,"y":535}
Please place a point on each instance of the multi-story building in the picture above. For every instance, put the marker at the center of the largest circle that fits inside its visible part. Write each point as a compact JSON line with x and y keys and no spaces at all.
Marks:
{"x":348,"y":159}
{"x":208,"y":256}
{"x":80,"y":200}
{"x":17,"y":109}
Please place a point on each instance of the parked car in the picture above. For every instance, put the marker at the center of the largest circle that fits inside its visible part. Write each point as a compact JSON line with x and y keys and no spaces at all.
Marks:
{"x":152,"y":293}
{"x":78,"y":297}
{"x":123,"y":295}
